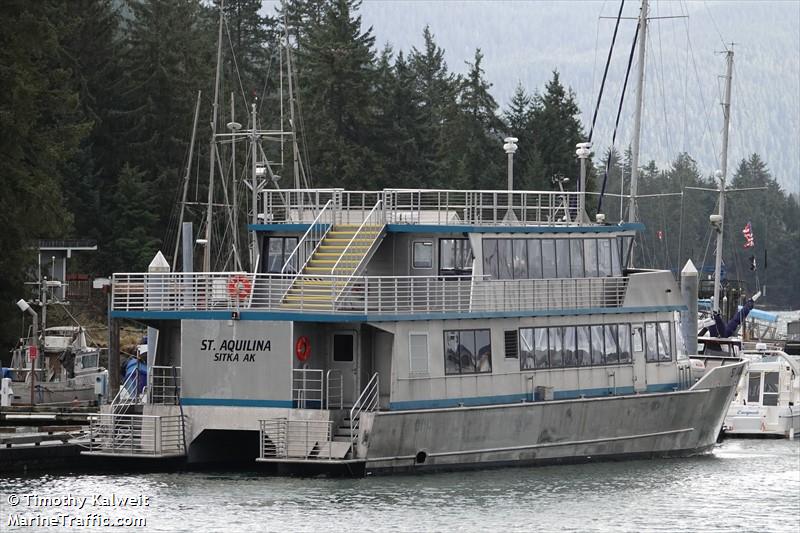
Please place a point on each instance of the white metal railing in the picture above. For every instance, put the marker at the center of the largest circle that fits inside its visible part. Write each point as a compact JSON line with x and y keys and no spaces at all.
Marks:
{"x":310,"y":241}
{"x":282,"y":438}
{"x":356,"y":251}
{"x":426,"y":206}
{"x":481,"y":208}
{"x":377,"y":295}
{"x":367,"y":402}
{"x":295,"y":205}
{"x":145,"y":435}
{"x":309,"y":389}
{"x":333,"y":390}
{"x":307,"y":385}
{"x":131,"y":392}
{"x":164,"y":385}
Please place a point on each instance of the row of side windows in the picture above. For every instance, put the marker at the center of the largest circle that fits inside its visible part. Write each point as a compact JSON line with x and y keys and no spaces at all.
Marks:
{"x":551,"y":258}
{"x":470,"y":351}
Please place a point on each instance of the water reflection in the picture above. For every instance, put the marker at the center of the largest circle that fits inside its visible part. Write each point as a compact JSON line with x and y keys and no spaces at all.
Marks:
{"x":745,"y":485}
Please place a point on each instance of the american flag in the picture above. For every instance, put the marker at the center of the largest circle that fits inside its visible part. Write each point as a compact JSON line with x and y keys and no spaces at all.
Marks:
{"x":748,"y":236}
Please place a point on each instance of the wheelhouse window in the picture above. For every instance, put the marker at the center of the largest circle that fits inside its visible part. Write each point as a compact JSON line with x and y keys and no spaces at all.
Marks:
{"x":770,"y":396}
{"x":754,"y":387}
{"x":422,"y":254}
{"x":657,"y":342}
{"x":455,"y":257}
{"x":467,"y":351}
{"x":548,"y":258}
{"x":278,"y":251}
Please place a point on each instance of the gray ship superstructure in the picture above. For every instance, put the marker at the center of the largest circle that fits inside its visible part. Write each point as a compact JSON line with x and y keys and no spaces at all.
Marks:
{"x":417,"y":329}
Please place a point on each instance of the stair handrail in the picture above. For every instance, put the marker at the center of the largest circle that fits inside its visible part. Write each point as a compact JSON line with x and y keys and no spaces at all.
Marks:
{"x":367,"y":402}
{"x":376,"y":211}
{"x":313,"y":232}
{"x":119,"y":403}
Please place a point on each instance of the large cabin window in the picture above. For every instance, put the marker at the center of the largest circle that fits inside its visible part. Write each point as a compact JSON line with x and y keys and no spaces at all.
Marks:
{"x":455,"y":257}
{"x":278,"y":251}
{"x":657,"y":342}
{"x":467,"y":351}
{"x":574,"y":346}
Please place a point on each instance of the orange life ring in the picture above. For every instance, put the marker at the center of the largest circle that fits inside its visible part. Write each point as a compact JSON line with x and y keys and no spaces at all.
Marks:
{"x":239,"y":287}
{"x":302,"y":348}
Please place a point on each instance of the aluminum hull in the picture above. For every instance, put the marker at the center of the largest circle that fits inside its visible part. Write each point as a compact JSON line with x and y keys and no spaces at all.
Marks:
{"x":666,"y":424}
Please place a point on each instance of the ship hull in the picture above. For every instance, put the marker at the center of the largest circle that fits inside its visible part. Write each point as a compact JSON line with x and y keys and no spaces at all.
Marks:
{"x":682,"y":423}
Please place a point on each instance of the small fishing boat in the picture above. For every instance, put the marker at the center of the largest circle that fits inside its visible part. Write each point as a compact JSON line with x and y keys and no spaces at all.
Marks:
{"x":767,"y":402}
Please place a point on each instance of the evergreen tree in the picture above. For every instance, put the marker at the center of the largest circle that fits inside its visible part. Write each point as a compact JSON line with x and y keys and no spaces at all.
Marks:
{"x":134,"y":222}
{"x":519,"y":119}
{"x":557,"y":129}
{"x":168,"y":55}
{"x":337,"y":81}
{"x":477,"y":146}
{"x":776,"y":230}
{"x":92,"y":47}
{"x":41,"y":128}
{"x":437,"y":90}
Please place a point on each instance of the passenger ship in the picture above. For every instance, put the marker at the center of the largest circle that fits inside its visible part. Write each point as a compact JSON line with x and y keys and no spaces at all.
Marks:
{"x":416,"y":330}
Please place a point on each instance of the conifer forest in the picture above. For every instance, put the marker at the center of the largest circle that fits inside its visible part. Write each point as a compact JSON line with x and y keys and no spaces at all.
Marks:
{"x":97,"y":99}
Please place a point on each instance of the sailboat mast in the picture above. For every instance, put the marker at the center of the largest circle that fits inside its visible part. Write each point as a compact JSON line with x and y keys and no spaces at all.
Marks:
{"x":186,"y":178}
{"x":213,"y":148}
{"x":723,"y":173}
{"x":637,"y":122}
{"x":295,"y":149}
{"x":254,"y":137}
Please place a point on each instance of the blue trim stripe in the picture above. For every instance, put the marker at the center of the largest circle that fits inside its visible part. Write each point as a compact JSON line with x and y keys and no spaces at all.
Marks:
{"x":514,"y":398}
{"x":236,"y":402}
{"x":466,"y":228}
{"x":340,"y":316}
{"x":300,"y":227}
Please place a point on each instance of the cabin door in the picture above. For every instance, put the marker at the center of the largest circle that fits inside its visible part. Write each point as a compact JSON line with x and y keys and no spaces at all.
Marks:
{"x":344,"y":358}
{"x":639,"y":363}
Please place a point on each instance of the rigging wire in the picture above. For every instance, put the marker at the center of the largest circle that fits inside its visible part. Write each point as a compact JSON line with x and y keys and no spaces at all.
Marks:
{"x":616,"y":123}
{"x":605,"y":71}
{"x":702,"y":96}
{"x":596,"y":42}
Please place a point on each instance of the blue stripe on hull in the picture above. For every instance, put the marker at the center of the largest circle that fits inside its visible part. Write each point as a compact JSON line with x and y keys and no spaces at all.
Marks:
{"x":433,"y":404}
{"x":514,"y":398}
{"x":237,"y":402}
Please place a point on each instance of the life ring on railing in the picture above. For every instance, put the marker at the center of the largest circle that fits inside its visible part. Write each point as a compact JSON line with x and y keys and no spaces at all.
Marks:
{"x":302,"y":348}
{"x":239,"y":287}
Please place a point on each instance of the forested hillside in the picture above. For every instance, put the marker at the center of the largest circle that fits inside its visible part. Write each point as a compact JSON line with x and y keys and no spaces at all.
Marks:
{"x":97,"y":99}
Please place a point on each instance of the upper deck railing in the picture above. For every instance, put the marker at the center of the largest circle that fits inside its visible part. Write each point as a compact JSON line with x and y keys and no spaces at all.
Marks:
{"x":425,"y":206}
{"x":372,"y":295}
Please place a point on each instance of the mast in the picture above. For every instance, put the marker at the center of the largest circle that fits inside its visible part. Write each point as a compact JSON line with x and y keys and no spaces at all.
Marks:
{"x":295,"y":150}
{"x":254,"y":136}
{"x":722,"y":174}
{"x":186,"y":178}
{"x":637,"y":123}
{"x":212,"y":151}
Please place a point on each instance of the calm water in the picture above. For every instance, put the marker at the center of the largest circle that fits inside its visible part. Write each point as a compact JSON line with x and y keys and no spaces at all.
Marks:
{"x":746,"y":485}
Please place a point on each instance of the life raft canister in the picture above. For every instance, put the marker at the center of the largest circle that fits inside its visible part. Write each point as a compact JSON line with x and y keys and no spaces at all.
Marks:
{"x":239,"y":287}
{"x":302,"y":348}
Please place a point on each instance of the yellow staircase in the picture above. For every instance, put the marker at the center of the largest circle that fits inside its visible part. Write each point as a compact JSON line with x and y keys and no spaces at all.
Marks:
{"x":337,"y":255}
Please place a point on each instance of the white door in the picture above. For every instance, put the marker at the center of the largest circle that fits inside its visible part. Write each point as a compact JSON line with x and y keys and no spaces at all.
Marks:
{"x":344,"y":358}
{"x":639,"y":363}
